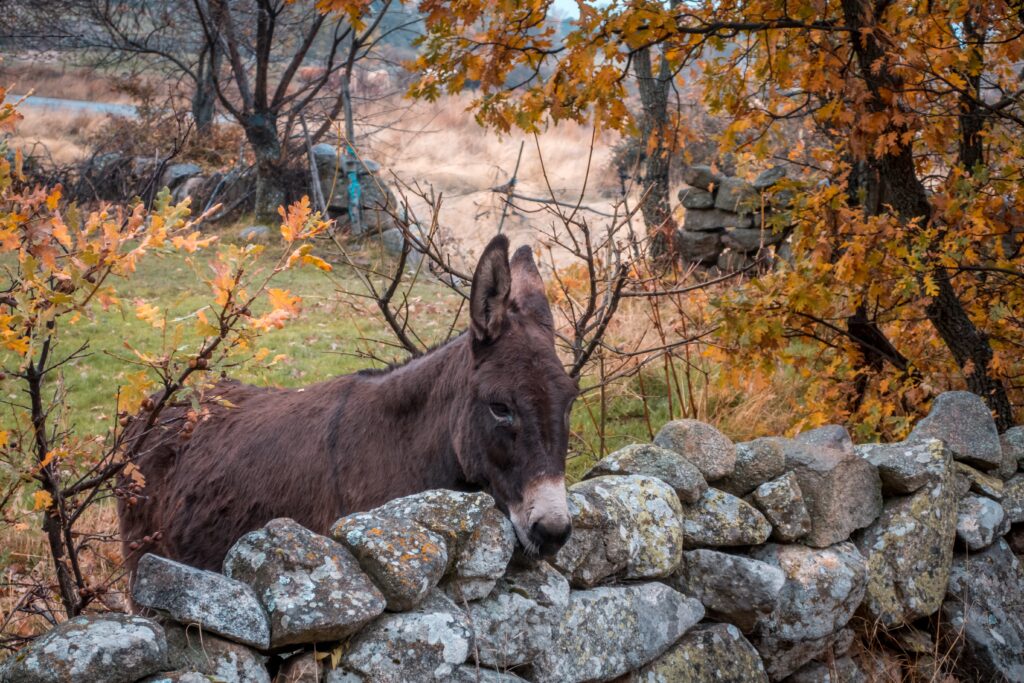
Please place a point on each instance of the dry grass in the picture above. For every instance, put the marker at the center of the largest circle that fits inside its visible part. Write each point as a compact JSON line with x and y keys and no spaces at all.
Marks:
{"x":48,"y":77}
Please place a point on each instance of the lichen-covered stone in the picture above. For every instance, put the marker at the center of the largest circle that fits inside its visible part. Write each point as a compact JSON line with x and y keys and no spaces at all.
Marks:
{"x":626,"y":526}
{"x":757,"y":461}
{"x":709,"y":653}
{"x":427,"y":644}
{"x":985,"y":609}
{"x":107,"y":648}
{"x":737,"y":195}
{"x":784,"y":657}
{"x":696,"y":198}
{"x":193,"y":596}
{"x":909,"y":551}
{"x":979,"y":522}
{"x":702,"y":177}
{"x":654,"y":461}
{"x":454,"y":515}
{"x":732,"y":588}
{"x":782,"y":503}
{"x":834,"y":437}
{"x":746,"y":240}
{"x":963,"y":421}
{"x":193,"y":649}
{"x":842,"y":491}
{"x":474,"y":674}
{"x":1012,"y":443}
{"x":1013,"y":499}
{"x":173,"y":677}
{"x":483,"y":558}
{"x":823,"y":589}
{"x":606,"y":632}
{"x":719,"y":519}
{"x":981,"y":482}
{"x":404,"y":559}
{"x":312,"y":588}
{"x":711,"y":451}
{"x":841,"y":670}
{"x":516,"y":622}
{"x":906,"y":466}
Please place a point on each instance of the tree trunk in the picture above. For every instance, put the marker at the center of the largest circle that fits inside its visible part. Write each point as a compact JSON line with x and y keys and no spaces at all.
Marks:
{"x":654,"y":136}
{"x":204,"y":99}
{"x":901,"y":189}
{"x":261,"y":133}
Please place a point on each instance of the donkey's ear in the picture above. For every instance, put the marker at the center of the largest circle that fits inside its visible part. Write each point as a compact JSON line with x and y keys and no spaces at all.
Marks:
{"x":528,"y":288}
{"x":489,"y":298}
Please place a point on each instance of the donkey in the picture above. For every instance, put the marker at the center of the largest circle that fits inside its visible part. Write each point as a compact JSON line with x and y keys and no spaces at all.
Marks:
{"x":489,"y":410}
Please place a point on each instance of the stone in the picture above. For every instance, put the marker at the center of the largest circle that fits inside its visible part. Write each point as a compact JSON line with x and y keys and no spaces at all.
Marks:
{"x":909,"y":551}
{"x":965,"y":423}
{"x":782,"y":658}
{"x":188,"y":595}
{"x":427,"y":644}
{"x":472,"y":674}
{"x":606,"y":632}
{"x":696,"y":198}
{"x":757,"y":461}
{"x":193,"y":649}
{"x":842,"y":491}
{"x":842,"y":670}
{"x":83,"y":649}
{"x":782,"y":504}
{"x":623,"y":526}
{"x":720,"y":519}
{"x":731,"y":261}
{"x":312,"y":588}
{"x":654,"y":461}
{"x":769,"y":177}
{"x":827,"y":436}
{"x":1012,"y":443}
{"x":985,"y":609}
{"x":713,"y":220}
{"x":404,"y":559}
{"x":822,"y":590}
{"x":980,"y":482}
{"x":300,"y":668}
{"x":697,"y":247}
{"x":254,"y":233}
{"x":701,"y":177}
{"x":175,"y":174}
{"x":483,"y":558}
{"x":979,"y":522}
{"x":906,"y":466}
{"x":738,"y":196}
{"x":517,"y":622}
{"x":1013,"y":499}
{"x":732,"y":588}
{"x":709,"y":653}
{"x":711,"y":451}
{"x":750,"y":239}
{"x":175,"y":677}
{"x":454,"y":515}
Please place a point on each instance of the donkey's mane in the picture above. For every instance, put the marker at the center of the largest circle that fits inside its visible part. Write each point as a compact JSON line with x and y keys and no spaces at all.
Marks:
{"x":391,"y":367}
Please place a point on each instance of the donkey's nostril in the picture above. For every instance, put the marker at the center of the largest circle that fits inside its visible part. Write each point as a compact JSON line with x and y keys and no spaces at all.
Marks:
{"x":550,"y":537}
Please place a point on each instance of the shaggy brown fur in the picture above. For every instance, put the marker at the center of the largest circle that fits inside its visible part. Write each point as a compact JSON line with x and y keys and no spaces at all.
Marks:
{"x":488,"y":410}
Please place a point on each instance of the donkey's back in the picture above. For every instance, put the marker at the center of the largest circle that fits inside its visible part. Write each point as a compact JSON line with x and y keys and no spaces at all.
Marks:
{"x":255,"y":454}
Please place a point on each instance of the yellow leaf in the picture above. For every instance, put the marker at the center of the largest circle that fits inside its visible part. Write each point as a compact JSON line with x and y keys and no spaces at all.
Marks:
{"x":43,"y":500}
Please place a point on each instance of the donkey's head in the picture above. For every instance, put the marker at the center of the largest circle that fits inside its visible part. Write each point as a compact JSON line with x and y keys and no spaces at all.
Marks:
{"x":513,"y":430}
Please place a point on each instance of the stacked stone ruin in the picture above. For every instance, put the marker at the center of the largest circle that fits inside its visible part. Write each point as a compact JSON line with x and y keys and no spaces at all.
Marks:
{"x":692,"y":559}
{"x":729,"y":221}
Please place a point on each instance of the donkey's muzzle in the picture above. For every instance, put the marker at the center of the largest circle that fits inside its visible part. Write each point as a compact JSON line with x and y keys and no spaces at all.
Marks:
{"x":549,"y":537}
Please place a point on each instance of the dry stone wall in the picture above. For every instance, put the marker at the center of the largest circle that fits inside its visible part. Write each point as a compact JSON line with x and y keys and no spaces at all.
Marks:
{"x":692,"y":559}
{"x":729,"y":221}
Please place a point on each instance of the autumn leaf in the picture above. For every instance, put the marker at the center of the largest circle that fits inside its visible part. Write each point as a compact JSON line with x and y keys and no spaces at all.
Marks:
{"x":42,"y":500}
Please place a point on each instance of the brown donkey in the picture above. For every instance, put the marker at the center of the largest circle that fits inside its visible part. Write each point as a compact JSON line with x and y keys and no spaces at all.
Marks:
{"x":488,"y":410}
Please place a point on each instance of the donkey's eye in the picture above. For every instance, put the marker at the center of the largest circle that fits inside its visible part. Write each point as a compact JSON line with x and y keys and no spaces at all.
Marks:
{"x":501,"y":412}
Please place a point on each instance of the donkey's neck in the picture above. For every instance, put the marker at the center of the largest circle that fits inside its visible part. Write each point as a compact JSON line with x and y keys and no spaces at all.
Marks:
{"x":411,"y":416}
